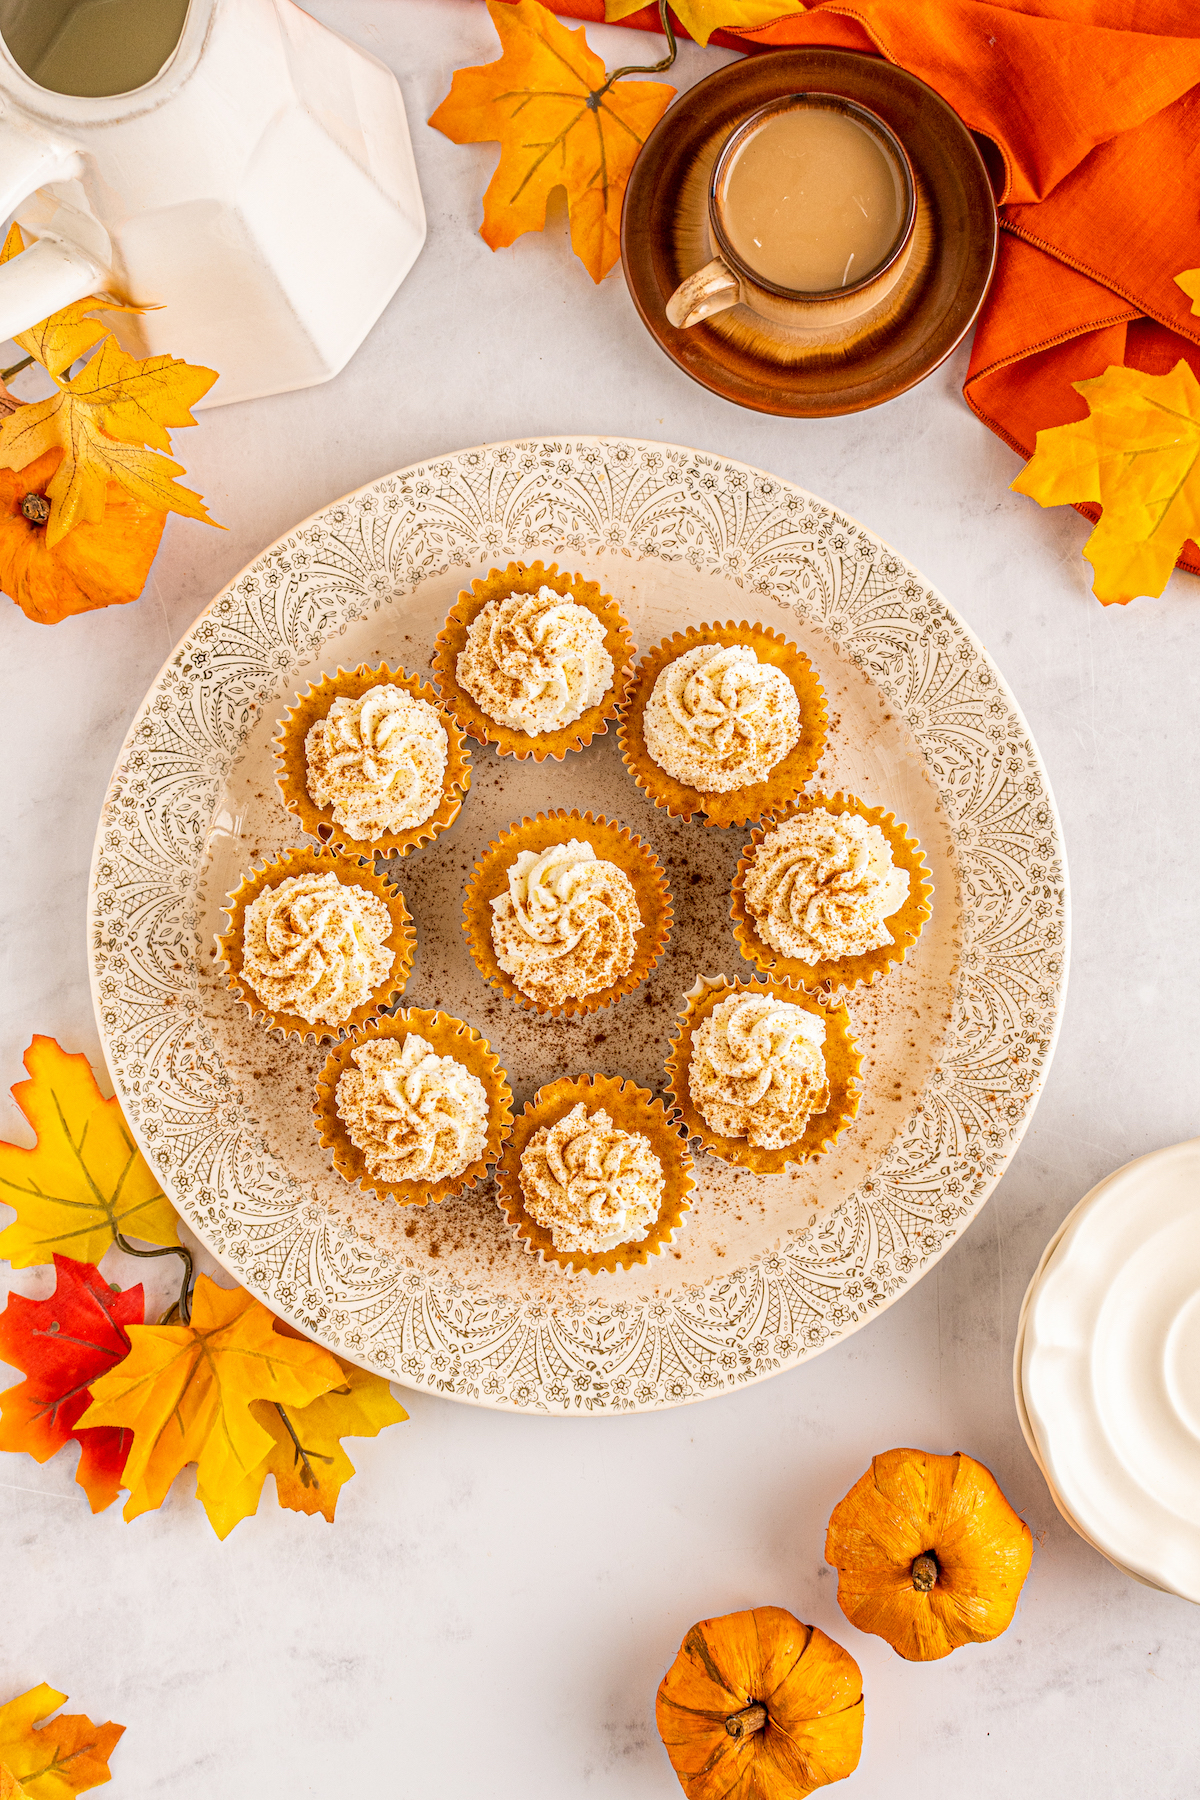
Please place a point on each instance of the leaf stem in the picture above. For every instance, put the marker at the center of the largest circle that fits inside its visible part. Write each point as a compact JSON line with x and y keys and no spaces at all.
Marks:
{"x":308,"y":1475}
{"x":184,"y":1304}
{"x":7,"y":374}
{"x":668,"y":31}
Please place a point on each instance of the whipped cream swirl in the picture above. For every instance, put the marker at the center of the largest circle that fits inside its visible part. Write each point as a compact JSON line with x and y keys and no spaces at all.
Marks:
{"x":535,"y":662}
{"x":820,"y":887}
{"x":415,"y":1115}
{"x":378,"y":761}
{"x":591,"y":1185}
{"x":567,"y":927}
{"x":718,"y":719}
{"x":757,"y":1070}
{"x":315,"y":946}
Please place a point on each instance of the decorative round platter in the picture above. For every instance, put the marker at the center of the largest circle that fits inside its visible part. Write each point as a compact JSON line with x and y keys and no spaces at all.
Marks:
{"x":768,"y":1270}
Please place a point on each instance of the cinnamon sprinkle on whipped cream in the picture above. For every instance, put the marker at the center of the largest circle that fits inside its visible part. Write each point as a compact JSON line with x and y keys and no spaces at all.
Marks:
{"x":567,"y":927}
{"x":757,"y":1070}
{"x":415,"y":1115}
{"x":379,"y":761}
{"x":821,"y":886}
{"x":718,"y":719}
{"x":535,"y":662}
{"x":315,"y":946}
{"x":591,"y":1185}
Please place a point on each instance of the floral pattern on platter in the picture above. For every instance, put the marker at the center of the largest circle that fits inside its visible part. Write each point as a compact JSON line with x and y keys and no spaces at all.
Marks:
{"x":566,"y":498}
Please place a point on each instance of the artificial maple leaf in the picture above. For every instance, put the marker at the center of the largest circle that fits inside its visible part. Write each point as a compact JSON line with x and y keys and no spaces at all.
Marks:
{"x":311,"y":1468}
{"x":1189,"y":281}
{"x":186,"y":1391}
{"x":10,"y":1787}
{"x":700,"y":18}
{"x":85,"y":1179}
{"x":559,"y":124}
{"x":102,"y":419}
{"x":307,"y":1459}
{"x":1137,"y":454}
{"x":61,"y":1345}
{"x":54,"y":1761}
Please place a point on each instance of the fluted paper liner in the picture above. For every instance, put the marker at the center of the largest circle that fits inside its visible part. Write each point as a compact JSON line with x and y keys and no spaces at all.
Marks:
{"x":760,"y":799}
{"x":402,"y":939}
{"x":520,"y":578}
{"x":612,"y":843}
{"x":843,"y":1060}
{"x":905,"y":924}
{"x":631,"y":1109}
{"x":448,"y":1037}
{"x":292,"y":776}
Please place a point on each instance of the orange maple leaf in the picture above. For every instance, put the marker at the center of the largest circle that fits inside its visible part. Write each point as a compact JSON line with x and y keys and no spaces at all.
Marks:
{"x":186,"y":1392}
{"x":1138,"y":455}
{"x":54,"y":1761}
{"x":559,"y":123}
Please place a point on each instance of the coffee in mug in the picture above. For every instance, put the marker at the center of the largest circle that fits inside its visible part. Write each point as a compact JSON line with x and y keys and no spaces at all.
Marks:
{"x":811,"y":211}
{"x":813,"y":200}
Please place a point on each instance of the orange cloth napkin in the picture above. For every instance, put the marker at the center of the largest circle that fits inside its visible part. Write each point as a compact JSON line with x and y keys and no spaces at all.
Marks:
{"x":1093,"y":107}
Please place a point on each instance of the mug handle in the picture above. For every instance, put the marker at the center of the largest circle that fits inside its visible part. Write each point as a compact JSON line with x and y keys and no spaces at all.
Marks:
{"x":710,"y":290}
{"x":53,"y":271}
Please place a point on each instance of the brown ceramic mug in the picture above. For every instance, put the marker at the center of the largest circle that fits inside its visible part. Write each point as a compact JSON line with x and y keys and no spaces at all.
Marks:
{"x":728,"y":280}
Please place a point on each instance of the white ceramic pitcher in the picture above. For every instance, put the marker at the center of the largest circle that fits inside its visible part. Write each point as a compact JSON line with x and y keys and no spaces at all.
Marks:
{"x":258,"y":184}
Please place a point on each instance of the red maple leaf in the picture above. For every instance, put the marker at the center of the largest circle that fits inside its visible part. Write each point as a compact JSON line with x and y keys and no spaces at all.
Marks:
{"x":62,"y":1345}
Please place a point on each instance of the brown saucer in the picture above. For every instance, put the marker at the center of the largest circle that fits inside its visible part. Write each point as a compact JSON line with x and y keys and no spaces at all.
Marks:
{"x":746,"y":359}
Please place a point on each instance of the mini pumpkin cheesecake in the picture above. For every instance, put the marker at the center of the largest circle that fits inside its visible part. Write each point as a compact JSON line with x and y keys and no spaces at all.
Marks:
{"x":567,"y":912}
{"x":834,"y":892}
{"x":368,"y":758}
{"x":534,"y":660}
{"x":415,"y":1107}
{"x":726,"y":721}
{"x":762,"y":1073}
{"x":316,"y":943}
{"x":596,"y":1176}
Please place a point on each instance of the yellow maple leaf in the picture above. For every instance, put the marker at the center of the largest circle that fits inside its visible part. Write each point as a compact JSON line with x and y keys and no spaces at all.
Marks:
{"x":700,"y":18}
{"x":78,"y":489}
{"x":65,"y":336}
{"x":54,"y":1761}
{"x":1189,"y":281}
{"x":10,"y":1787}
{"x":186,"y":1392}
{"x":559,"y":124}
{"x":85,"y":1179}
{"x":306,"y":1457}
{"x":102,"y":419}
{"x":1137,"y":455}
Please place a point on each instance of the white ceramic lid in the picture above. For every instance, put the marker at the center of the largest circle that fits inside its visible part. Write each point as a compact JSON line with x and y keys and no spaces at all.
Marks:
{"x":1108,"y":1375}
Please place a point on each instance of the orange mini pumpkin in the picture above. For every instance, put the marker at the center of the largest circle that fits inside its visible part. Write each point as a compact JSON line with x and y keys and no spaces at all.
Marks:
{"x":95,"y":564}
{"x":929,"y":1553}
{"x":757,"y":1706}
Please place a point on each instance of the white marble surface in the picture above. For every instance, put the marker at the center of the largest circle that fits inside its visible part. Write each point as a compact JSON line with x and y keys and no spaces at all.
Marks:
{"x":493,"y":1610}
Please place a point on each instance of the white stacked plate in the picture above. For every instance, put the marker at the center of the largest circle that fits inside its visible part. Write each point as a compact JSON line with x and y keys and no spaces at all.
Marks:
{"x":1107,"y":1368}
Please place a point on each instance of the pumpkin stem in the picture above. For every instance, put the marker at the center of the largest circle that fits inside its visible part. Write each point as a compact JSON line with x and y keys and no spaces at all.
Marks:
{"x":752,"y":1718}
{"x":35,"y":508}
{"x":925,"y":1572}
